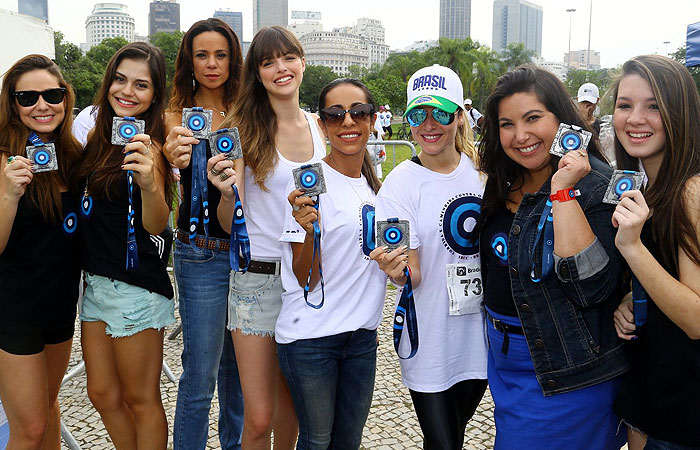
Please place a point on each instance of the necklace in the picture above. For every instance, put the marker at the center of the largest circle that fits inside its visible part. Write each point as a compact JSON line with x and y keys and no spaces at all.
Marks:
{"x":335,"y":166}
{"x":222,"y":113}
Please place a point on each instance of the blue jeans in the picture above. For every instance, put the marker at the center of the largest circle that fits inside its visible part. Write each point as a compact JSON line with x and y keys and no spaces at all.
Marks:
{"x":331,"y":380}
{"x":203,"y":284}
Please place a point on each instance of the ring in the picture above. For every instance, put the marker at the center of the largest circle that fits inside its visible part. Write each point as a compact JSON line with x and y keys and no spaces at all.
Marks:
{"x":296,"y":207}
{"x":10,"y":160}
{"x":223,"y":176}
{"x":214,"y":172}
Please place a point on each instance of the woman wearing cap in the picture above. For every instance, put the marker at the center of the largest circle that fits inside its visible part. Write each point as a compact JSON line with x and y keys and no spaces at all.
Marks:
{"x":551,"y":281}
{"x":439,"y":193}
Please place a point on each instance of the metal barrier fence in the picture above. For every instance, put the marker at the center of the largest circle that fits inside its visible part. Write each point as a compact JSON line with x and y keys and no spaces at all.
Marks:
{"x":394,"y":144}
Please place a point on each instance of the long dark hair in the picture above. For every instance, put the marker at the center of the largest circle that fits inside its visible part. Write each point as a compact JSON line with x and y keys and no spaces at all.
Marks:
{"x":367,"y":166}
{"x":102,"y":161}
{"x":504,"y":174}
{"x":252,"y":113}
{"x":185,"y":86}
{"x":679,"y":105}
{"x":45,"y":189}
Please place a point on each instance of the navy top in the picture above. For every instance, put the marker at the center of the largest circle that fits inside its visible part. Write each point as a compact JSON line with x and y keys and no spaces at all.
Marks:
{"x":498,"y":295}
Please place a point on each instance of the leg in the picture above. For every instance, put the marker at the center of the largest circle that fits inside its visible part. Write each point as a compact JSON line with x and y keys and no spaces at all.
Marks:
{"x":230,"y":397}
{"x":286,"y":428}
{"x":104,"y":386}
{"x":57,"y":358}
{"x":636,"y":440}
{"x":354,"y":389}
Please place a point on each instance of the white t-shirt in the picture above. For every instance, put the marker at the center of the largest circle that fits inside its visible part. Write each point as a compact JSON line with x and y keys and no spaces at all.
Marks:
{"x":264,"y":211}
{"x":84,"y":122}
{"x":451,"y":348}
{"x":354,"y":284}
{"x":473,"y":115}
{"x":387,"y":119}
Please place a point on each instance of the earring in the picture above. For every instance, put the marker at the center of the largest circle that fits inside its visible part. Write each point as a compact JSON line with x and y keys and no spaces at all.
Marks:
{"x":194,"y":85}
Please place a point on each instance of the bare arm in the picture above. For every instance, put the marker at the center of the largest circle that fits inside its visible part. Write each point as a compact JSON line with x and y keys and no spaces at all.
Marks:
{"x":13,"y":183}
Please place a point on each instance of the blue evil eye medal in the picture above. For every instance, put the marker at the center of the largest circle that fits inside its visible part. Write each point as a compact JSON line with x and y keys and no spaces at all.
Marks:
{"x":393,"y":233}
{"x":226,"y":141}
{"x":125,"y":128}
{"x":198,"y":121}
{"x":621,"y":182}
{"x":569,"y":138}
{"x":43,"y":157}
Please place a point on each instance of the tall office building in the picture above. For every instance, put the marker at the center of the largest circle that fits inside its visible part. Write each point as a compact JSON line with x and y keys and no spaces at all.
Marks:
{"x":267,"y":13}
{"x":517,"y":21}
{"x":455,"y":18}
{"x":34,"y":8}
{"x":108,"y":20}
{"x":164,"y":15}
{"x":234,"y":19}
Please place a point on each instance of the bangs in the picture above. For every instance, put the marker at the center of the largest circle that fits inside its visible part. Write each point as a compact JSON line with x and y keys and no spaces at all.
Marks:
{"x":274,"y":42}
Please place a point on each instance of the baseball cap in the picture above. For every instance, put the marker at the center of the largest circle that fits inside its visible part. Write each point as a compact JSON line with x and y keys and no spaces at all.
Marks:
{"x":387,"y":107}
{"x":467,"y":101}
{"x":436,"y":86}
{"x":588,"y":92}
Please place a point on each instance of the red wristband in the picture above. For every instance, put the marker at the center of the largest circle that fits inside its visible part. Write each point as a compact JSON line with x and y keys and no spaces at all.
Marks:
{"x":564,"y":195}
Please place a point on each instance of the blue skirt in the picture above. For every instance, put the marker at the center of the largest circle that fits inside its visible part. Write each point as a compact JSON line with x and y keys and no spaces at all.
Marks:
{"x":526,"y":419}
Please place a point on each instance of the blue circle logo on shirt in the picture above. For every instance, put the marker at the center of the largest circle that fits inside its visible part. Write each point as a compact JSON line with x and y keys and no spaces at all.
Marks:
{"x":499,"y":246}
{"x":458,"y":222}
{"x":367,"y":238}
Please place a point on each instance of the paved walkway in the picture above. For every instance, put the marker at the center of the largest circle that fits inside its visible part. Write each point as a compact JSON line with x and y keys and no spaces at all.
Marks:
{"x":392,"y":423}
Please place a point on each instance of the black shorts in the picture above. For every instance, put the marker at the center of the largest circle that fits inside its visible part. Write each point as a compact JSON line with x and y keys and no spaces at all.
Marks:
{"x":31,"y":344}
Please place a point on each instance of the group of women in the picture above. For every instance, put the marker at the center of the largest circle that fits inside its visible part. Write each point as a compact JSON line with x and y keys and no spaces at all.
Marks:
{"x":516,"y":273}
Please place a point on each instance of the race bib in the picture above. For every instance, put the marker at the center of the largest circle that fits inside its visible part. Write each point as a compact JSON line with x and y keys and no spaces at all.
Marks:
{"x":464,"y":287}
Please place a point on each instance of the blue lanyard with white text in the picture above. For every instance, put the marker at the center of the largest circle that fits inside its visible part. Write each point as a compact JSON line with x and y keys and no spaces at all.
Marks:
{"x":317,"y":248}
{"x":35,"y":140}
{"x":199,"y":192}
{"x":132,"y":251}
{"x":239,"y":243}
{"x":406,"y":314}
{"x":546,"y":223}
{"x":639,"y":302}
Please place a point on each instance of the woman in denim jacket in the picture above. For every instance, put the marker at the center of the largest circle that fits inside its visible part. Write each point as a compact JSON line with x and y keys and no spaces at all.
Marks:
{"x":551,"y":280}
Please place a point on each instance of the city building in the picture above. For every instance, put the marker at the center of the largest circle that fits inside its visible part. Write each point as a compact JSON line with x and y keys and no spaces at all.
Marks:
{"x":558,"y":68}
{"x":267,"y":13}
{"x":305,"y":22}
{"x":106,"y":21}
{"x":164,"y":15}
{"x":234,"y":19}
{"x":419,"y":46}
{"x":34,"y":8}
{"x":455,"y":18}
{"x":517,"y":21}
{"x":577,"y":59}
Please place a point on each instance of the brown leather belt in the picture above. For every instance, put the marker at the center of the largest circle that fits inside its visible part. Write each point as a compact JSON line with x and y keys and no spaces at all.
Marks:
{"x":213,"y":243}
{"x":264,"y":267}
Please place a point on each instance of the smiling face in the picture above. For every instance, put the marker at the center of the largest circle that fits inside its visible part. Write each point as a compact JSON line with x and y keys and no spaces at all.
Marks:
{"x":350,"y":135}
{"x":131,"y":91}
{"x":526,"y":130}
{"x":42,"y":117}
{"x":637,"y":120}
{"x":282,"y":75}
{"x":211,"y":57}
{"x":434,"y":137}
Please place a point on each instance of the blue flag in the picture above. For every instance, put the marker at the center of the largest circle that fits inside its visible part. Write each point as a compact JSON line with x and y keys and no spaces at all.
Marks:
{"x":692,"y":45}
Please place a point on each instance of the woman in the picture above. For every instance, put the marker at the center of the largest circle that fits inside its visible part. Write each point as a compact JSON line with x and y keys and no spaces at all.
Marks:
{"x":656,"y":115}
{"x":447,"y":375}
{"x":328,"y":353}
{"x":277,"y":136}
{"x":127,"y":306}
{"x":207,"y":71}
{"x":553,"y":355}
{"x":39,"y":253}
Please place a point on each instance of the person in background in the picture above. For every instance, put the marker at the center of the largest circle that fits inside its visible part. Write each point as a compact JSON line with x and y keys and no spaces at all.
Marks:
{"x":587,"y":100}
{"x":476,"y":119}
{"x":84,"y":122}
{"x":377,"y":152}
{"x":386,"y":122}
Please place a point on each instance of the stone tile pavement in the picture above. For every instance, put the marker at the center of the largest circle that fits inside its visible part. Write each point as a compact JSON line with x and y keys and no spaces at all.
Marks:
{"x":392,"y":423}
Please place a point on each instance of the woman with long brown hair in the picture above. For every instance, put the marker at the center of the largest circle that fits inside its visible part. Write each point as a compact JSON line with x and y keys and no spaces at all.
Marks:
{"x":39,"y":256}
{"x":207,"y":72}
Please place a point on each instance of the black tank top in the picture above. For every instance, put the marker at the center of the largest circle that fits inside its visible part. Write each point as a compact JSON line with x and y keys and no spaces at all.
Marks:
{"x":214,"y":197}
{"x":494,"y":263}
{"x":661,"y":392}
{"x":40,"y":270}
{"x":104,"y":235}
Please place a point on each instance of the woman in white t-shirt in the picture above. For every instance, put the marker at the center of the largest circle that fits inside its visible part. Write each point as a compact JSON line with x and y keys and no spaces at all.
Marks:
{"x":439,"y":193}
{"x":327,"y":341}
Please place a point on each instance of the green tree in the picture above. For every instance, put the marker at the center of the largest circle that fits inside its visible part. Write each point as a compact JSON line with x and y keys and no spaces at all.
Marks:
{"x":169,"y":43}
{"x":358,"y":72}
{"x":515,"y":55}
{"x":78,"y":70}
{"x":402,"y":65}
{"x":389,"y":90}
{"x":315,"y":78}
{"x":679,"y":55}
{"x":576,"y":77}
{"x":101,"y":53}
{"x":485,"y":72}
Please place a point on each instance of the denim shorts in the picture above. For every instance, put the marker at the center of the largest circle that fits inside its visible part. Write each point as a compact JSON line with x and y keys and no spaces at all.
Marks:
{"x":125,"y":308}
{"x":254,"y":302}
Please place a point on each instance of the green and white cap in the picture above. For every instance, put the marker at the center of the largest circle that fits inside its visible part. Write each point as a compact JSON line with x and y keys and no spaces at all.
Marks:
{"x":436,"y":86}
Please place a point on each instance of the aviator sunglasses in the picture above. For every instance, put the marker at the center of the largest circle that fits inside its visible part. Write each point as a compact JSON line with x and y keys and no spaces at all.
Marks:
{"x":417,"y":116}
{"x":337,"y":115}
{"x":29,"y":98}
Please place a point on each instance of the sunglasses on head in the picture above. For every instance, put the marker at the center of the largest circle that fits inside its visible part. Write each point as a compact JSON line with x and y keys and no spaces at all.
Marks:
{"x":29,"y":98}
{"x":337,"y":115}
{"x":417,"y":116}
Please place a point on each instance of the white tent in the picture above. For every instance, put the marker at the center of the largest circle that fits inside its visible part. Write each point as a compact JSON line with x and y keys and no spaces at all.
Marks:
{"x":22,"y":35}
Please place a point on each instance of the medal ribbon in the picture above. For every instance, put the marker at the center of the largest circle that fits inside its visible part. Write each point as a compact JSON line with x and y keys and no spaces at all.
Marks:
{"x":239,"y":248}
{"x":406,"y":311}
{"x":132,"y":251}
{"x":547,"y":223}
{"x":317,"y":248}
{"x":639,"y":302}
{"x":199,"y":201}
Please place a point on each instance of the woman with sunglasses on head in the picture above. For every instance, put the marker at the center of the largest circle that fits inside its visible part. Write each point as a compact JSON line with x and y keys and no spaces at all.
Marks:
{"x":552,"y":275}
{"x":207,"y":71}
{"x":439,"y":193}
{"x":333,"y":297}
{"x":277,"y":136}
{"x":657,"y":110}
{"x":39,"y":249}
{"x":128,"y":296}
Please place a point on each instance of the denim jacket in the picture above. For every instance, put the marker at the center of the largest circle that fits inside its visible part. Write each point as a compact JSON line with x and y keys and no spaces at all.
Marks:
{"x":567,"y":318}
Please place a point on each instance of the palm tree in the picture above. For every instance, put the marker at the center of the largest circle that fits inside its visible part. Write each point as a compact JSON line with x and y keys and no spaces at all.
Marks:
{"x":515,"y":55}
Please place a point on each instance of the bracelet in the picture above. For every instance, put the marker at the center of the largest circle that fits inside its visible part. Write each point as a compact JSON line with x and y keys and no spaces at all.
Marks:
{"x":564,"y":195}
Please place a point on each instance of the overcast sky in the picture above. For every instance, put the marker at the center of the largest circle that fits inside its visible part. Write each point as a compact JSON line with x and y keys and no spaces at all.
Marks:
{"x":621,"y":28}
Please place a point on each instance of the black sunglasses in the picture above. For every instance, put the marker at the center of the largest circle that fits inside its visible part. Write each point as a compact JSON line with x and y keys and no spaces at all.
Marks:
{"x":29,"y":98}
{"x":337,"y":115}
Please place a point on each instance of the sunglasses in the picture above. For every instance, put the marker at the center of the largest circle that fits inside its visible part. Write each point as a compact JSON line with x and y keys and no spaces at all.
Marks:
{"x":29,"y":98}
{"x":417,"y":116}
{"x":337,"y":115}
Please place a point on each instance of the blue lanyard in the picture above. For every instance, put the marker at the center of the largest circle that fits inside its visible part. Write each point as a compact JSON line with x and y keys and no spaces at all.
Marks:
{"x":546,"y":223}
{"x":406,"y":311}
{"x":35,"y":140}
{"x":132,"y":251}
{"x":639,"y":302}
{"x":199,"y":199}
{"x":240,"y":243}
{"x":317,"y":248}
